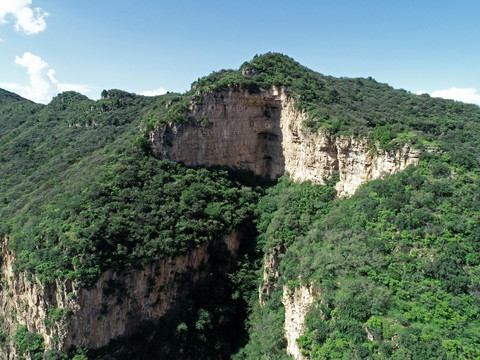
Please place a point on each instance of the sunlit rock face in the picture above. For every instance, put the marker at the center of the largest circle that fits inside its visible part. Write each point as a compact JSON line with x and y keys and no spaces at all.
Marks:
{"x":297,"y":304}
{"x":264,"y":133}
{"x":116,"y":306}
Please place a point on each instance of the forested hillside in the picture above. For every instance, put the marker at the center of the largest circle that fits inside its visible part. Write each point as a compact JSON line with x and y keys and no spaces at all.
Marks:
{"x":395,"y":268}
{"x":80,"y":189}
{"x":81,"y":193}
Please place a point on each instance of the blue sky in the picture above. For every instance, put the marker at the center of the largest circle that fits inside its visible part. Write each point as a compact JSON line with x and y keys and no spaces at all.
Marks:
{"x":49,"y":46}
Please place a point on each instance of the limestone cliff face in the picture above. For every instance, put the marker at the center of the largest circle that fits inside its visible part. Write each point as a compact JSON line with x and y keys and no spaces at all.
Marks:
{"x":243,"y":132}
{"x":264,"y":133}
{"x":270,"y":273}
{"x":297,"y":304}
{"x":318,"y":156}
{"x":23,"y":302}
{"x":115,"y":306}
{"x":120,"y":302}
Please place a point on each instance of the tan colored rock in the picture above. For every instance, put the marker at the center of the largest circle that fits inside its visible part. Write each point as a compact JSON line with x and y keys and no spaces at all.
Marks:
{"x":243,"y":133}
{"x":315,"y":156}
{"x":270,"y":273}
{"x":297,"y":304}
{"x":264,"y":133}
{"x":24,"y":301}
{"x":115,"y":306}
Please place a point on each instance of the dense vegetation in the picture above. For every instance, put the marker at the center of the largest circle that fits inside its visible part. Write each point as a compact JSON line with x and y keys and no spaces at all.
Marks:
{"x":396,"y":267}
{"x":83,"y":199}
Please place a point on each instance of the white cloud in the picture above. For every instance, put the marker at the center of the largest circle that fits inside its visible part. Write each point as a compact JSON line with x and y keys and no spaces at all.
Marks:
{"x":12,"y":87}
{"x":159,"y":91}
{"x":421,"y":92}
{"x":1,"y":40}
{"x":30,"y":21}
{"x":74,"y":87}
{"x":43,"y":84}
{"x":467,"y":95}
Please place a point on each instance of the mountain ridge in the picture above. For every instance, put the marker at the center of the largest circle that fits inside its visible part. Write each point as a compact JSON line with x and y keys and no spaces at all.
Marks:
{"x":85,"y":191}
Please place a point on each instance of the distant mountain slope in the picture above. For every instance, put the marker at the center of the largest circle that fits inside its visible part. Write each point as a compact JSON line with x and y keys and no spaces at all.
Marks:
{"x":7,"y":97}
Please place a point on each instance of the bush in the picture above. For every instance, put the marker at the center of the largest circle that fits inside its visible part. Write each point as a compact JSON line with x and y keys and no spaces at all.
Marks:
{"x":28,"y":343}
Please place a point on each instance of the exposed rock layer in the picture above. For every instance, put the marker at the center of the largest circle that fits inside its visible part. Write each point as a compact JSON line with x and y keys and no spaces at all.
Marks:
{"x":270,"y":273}
{"x":264,"y":133}
{"x":243,"y":132}
{"x":117,"y":304}
{"x":23,"y":302}
{"x":297,"y":304}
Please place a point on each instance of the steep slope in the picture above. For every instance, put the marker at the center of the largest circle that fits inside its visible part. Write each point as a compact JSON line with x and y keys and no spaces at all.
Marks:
{"x":265,"y":133}
{"x":108,"y":236}
{"x":84,"y":205}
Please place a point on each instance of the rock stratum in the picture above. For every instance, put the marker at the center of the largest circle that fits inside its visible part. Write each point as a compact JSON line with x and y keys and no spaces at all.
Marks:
{"x":116,"y":306}
{"x":264,"y":133}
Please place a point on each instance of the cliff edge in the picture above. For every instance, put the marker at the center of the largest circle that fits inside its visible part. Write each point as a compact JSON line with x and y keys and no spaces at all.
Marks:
{"x":264,"y":133}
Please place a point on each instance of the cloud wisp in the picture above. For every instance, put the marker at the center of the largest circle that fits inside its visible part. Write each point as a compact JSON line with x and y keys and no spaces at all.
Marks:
{"x":27,"y":19}
{"x":159,"y":91}
{"x":43,"y":84}
{"x":467,"y":95}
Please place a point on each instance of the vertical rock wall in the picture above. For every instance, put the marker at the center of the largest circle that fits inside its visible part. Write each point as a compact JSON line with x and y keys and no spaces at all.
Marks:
{"x":264,"y":133}
{"x":117,"y":304}
{"x":26,"y":302}
{"x":243,"y":132}
{"x":297,"y":304}
{"x":314,"y":156}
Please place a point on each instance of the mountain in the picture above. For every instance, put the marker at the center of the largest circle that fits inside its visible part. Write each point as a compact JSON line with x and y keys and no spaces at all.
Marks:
{"x":7,"y":97}
{"x":270,"y":211}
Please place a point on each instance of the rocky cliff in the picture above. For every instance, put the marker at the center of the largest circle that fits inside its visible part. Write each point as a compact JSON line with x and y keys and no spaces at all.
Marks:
{"x":116,"y":306}
{"x":297,"y":304}
{"x":270,"y":273}
{"x":243,"y":131}
{"x":264,"y":133}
